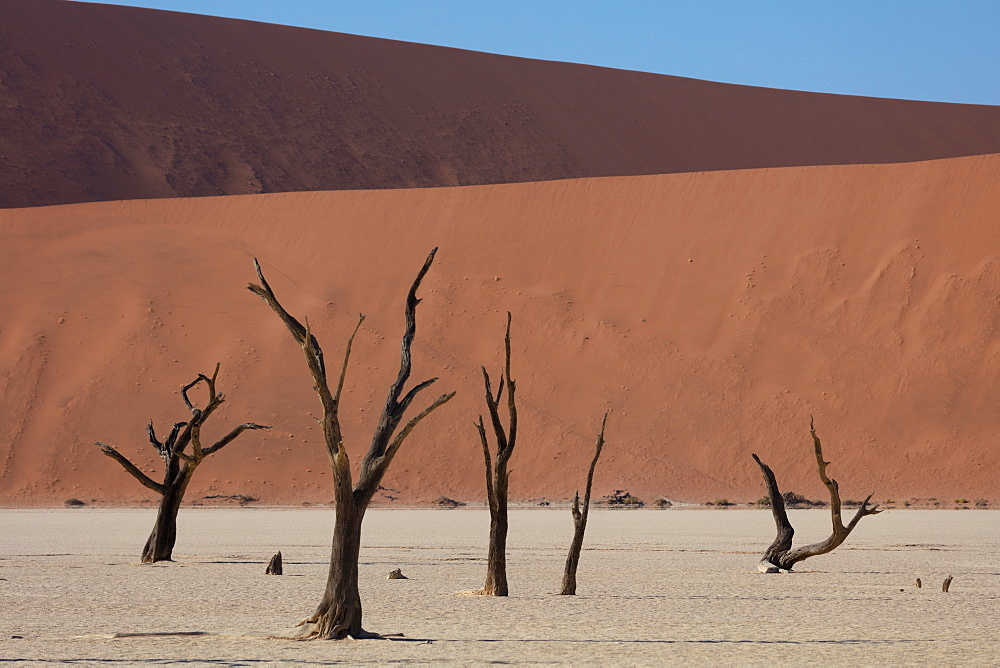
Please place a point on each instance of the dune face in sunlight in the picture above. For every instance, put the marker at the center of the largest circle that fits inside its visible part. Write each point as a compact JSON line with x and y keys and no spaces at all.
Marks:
{"x":713,"y":313}
{"x":103,"y":103}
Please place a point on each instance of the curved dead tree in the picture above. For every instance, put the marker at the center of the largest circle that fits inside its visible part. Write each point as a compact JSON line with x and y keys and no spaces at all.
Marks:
{"x":496,"y":473}
{"x":339,"y":612}
{"x":780,"y":556}
{"x":179,"y":464}
{"x":580,"y":520}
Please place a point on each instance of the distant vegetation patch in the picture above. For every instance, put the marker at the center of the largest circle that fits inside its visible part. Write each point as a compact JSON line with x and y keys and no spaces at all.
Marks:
{"x":620,"y":499}
{"x":445,"y":502}
{"x":794,"y":500}
{"x":242,"y":499}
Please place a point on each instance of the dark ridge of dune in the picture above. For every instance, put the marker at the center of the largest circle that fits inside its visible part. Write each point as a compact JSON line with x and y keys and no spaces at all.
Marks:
{"x":100,"y":102}
{"x":712,"y":312}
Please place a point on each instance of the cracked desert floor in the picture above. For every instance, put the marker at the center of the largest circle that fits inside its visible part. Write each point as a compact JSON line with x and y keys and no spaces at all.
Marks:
{"x":673,"y":586}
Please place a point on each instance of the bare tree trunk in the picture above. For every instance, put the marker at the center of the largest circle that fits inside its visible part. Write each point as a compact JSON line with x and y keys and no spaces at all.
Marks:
{"x":179,"y":465}
{"x":339,"y":614}
{"x":580,"y":520}
{"x":496,"y":556}
{"x":780,"y":555}
{"x":160,"y":544}
{"x":496,"y":472}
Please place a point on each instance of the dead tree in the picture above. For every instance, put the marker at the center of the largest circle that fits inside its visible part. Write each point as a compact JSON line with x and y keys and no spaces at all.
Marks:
{"x":339,"y":612}
{"x":496,"y":473}
{"x":780,"y":556}
{"x":580,"y":520}
{"x":178,"y":463}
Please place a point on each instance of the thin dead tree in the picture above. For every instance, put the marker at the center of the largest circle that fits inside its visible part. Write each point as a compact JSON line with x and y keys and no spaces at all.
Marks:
{"x":496,"y":472}
{"x":339,"y":612}
{"x":178,"y":463}
{"x":780,"y":556}
{"x":580,"y":520}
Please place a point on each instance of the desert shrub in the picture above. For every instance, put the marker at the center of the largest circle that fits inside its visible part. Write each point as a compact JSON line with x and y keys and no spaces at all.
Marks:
{"x":73,"y":503}
{"x":722,"y":503}
{"x":851,"y":503}
{"x":242,"y":499}
{"x":620,"y":499}
{"x":662,"y":503}
{"x":445,"y":502}
{"x":961,"y":500}
{"x":764,"y":502}
{"x":795,"y":500}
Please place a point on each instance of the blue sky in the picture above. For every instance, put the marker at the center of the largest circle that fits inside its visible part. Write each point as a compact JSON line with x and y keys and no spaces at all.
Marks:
{"x":913,"y":49}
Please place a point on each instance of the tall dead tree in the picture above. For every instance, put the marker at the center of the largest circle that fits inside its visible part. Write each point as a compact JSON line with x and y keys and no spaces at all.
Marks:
{"x":780,"y":555}
{"x":339,"y":612}
{"x":580,"y":520}
{"x":179,"y":464}
{"x":496,"y":472}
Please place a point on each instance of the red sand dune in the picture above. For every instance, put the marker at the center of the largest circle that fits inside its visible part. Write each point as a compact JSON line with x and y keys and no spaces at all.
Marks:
{"x":99,"y":102}
{"x":712,"y":312}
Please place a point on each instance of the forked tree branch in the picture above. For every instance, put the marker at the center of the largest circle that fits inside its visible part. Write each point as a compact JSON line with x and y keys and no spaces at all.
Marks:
{"x":383,"y":447}
{"x":381,"y":452}
{"x":494,"y":410}
{"x":780,"y":553}
{"x":372,"y":474}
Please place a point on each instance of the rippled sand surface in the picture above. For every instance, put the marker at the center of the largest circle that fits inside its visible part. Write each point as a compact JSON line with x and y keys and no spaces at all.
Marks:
{"x":676,"y":586}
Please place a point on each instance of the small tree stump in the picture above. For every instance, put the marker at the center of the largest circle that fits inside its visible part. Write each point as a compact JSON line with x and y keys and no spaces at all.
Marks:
{"x":946,"y":584}
{"x":396,"y":575}
{"x":919,"y":583}
{"x":274,"y":566}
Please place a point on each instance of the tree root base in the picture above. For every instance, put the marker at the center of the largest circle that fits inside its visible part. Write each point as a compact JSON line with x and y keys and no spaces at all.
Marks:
{"x":309,"y":629}
{"x":766,"y":566}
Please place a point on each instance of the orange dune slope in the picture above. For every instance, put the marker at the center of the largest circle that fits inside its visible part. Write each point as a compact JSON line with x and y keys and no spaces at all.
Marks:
{"x":99,"y":102}
{"x":712,"y":313}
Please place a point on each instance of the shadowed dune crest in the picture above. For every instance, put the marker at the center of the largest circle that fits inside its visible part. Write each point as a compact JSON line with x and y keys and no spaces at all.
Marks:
{"x":712,"y":312}
{"x":101,"y":102}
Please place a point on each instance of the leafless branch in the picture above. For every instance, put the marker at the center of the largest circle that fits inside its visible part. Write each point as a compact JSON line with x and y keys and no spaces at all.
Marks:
{"x":131,"y":468}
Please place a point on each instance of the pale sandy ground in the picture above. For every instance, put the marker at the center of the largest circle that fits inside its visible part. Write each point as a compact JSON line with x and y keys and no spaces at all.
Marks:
{"x":676,"y":586}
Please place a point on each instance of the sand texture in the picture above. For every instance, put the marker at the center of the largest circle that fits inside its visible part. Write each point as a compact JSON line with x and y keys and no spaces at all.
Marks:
{"x":99,"y":102}
{"x":655,"y":587}
{"x":713,"y":313}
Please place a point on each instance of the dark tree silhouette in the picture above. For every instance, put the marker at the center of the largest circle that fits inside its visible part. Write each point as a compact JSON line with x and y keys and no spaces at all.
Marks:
{"x":780,"y":555}
{"x":339,"y":612}
{"x":496,"y":472}
{"x":178,"y":463}
{"x":580,"y":520}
